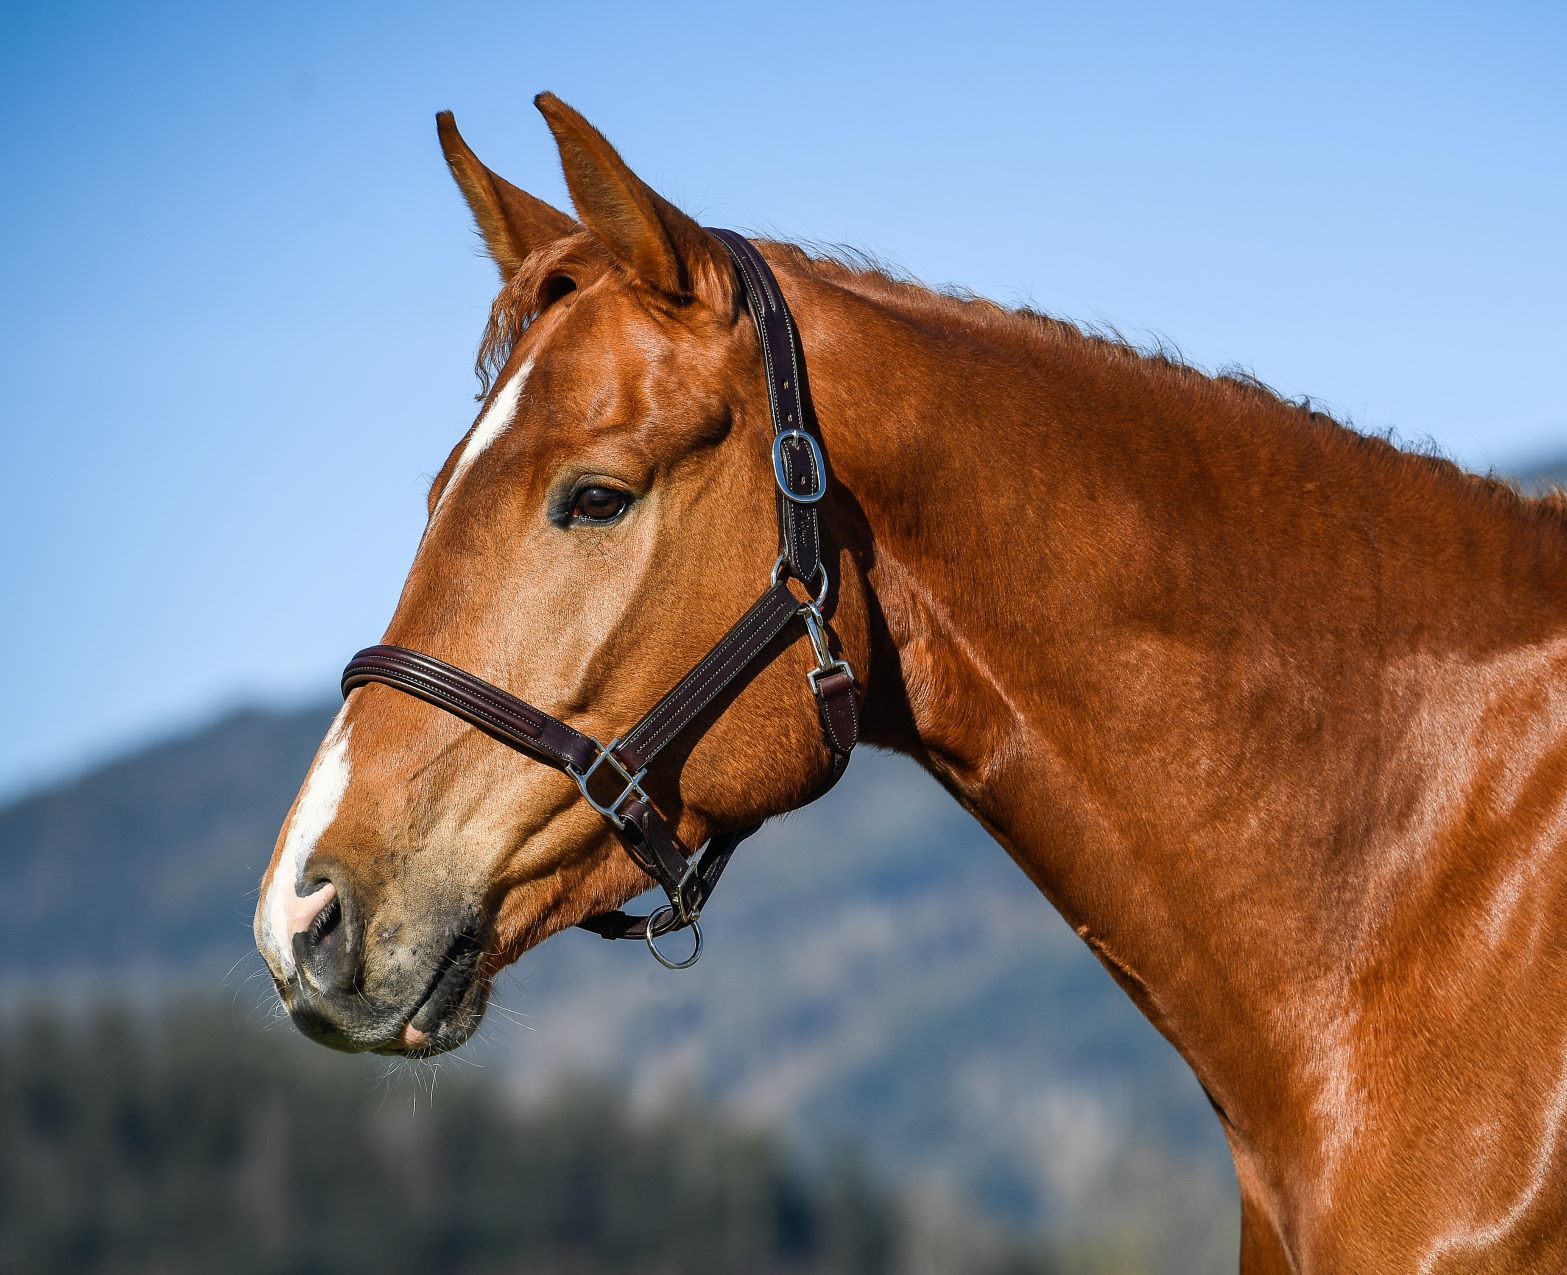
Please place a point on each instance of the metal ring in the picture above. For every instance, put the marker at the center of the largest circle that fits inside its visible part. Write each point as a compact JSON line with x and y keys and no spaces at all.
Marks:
{"x":652,"y":946}
{"x":781,"y":570}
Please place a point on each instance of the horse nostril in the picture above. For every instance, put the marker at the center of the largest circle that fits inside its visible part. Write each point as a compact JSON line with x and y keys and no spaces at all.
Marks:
{"x":325,"y":923}
{"x":325,"y":948}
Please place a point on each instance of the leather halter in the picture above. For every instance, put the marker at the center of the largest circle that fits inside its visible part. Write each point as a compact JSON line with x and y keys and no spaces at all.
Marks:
{"x":610,"y":775}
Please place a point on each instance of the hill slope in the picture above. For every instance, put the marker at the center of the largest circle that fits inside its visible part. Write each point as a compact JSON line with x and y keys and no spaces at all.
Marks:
{"x":146,"y":861}
{"x":877,"y":971}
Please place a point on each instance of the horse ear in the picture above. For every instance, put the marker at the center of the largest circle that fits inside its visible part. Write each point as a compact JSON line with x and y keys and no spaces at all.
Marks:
{"x":512,"y":221}
{"x":658,"y":244}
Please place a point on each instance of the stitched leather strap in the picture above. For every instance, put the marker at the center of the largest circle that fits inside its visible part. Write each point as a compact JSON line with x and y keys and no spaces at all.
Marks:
{"x":492,"y":710}
{"x":647,"y":838}
{"x":710,"y":865}
{"x":802,"y":476}
{"x":514,"y":722}
{"x":736,"y":652}
{"x":838,"y":706}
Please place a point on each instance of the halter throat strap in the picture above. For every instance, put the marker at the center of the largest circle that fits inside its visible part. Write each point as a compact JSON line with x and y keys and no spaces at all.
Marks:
{"x":610,"y":775}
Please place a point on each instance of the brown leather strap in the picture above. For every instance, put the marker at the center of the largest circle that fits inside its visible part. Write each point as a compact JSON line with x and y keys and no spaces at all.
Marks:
{"x":710,"y":865}
{"x":800,"y":470}
{"x":518,"y":724}
{"x":735,"y":652}
{"x":497,"y":712}
{"x":839,"y":709}
{"x":529,"y":729}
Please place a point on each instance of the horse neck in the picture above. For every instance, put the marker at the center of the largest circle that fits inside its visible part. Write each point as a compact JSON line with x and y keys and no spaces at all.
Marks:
{"x":1215,"y":671}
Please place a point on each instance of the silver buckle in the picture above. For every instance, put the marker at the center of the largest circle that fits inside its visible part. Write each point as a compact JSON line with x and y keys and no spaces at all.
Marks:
{"x":817,"y":460}
{"x":633,"y":783}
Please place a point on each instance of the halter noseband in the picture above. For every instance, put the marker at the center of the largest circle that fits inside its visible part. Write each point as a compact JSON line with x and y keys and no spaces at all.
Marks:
{"x":610,"y":775}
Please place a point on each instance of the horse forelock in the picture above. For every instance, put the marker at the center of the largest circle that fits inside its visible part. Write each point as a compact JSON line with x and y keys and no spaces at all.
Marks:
{"x":548,"y":273}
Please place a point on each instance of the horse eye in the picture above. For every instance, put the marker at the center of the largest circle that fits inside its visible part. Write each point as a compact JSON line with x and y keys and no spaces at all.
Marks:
{"x":599,"y":504}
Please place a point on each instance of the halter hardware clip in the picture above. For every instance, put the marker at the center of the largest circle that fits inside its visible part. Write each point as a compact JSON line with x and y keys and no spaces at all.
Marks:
{"x":826,"y":661}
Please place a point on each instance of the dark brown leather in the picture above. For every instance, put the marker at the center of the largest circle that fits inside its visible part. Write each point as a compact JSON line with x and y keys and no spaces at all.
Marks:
{"x":659,"y":853}
{"x":501,"y":714}
{"x":735,"y":652}
{"x":710,"y":865}
{"x":686,"y":880}
{"x":798,"y":526}
{"x":840,"y":710}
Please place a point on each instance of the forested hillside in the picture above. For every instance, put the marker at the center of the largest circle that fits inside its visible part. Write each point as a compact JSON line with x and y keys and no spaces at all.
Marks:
{"x":877,"y":973}
{"x":146,"y":861}
{"x":188,"y":1144}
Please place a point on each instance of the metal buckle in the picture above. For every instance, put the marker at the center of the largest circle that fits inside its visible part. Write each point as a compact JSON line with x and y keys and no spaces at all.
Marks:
{"x":652,"y":945}
{"x":633,"y":783}
{"x":687,"y":918}
{"x":817,"y":460}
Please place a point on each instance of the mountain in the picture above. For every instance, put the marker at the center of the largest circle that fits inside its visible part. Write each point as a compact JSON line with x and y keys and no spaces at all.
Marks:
{"x":146,"y":861}
{"x":877,"y":972}
{"x":1551,"y":471}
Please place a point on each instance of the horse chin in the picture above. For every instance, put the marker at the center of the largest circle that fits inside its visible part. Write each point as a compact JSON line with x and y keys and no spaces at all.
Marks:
{"x":427,"y":1034}
{"x":448,"y":1015}
{"x":439,"y":1014}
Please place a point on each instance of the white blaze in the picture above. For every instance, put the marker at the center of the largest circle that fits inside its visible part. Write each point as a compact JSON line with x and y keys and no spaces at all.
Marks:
{"x":499,"y":414}
{"x":318,"y":803}
{"x":328,"y":778}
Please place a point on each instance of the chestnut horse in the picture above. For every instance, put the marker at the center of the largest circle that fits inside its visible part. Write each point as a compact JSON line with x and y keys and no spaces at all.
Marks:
{"x":1274,"y":713}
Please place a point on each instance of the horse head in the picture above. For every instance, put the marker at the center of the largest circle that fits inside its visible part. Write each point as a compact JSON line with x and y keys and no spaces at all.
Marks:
{"x":602,"y":524}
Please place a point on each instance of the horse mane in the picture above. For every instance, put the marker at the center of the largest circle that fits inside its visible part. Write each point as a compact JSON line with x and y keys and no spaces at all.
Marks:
{"x":863,"y":273}
{"x":552,"y":271}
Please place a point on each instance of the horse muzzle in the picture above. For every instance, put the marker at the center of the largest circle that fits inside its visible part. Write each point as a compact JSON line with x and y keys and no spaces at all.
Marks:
{"x":417,"y":997}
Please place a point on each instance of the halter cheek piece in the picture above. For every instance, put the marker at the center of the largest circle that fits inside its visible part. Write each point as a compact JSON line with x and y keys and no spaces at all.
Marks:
{"x":610,"y":775}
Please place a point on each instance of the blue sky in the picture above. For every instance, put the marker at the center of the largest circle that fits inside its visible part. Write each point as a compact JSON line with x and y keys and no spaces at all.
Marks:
{"x":241,"y":296}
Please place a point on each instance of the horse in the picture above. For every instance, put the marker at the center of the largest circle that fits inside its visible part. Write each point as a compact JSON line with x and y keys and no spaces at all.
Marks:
{"x":1273,"y":712}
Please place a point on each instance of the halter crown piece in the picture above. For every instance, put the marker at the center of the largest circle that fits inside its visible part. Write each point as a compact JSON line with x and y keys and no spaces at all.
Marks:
{"x":610,"y":775}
